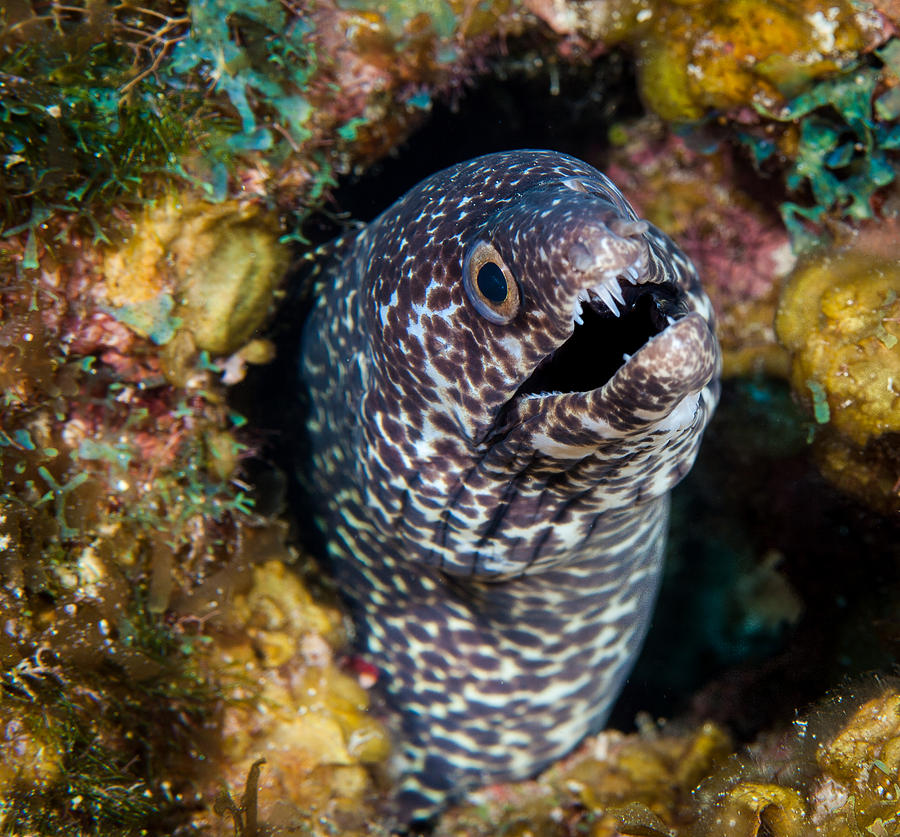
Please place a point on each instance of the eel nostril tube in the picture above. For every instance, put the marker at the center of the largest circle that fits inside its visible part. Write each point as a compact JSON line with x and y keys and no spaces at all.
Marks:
{"x":628,"y":229}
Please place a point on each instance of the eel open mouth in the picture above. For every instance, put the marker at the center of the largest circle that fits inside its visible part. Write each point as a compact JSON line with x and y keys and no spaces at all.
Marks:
{"x":602,"y":341}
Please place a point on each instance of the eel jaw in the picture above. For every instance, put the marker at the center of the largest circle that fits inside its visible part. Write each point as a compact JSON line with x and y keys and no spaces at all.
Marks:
{"x":612,"y":320}
{"x":662,"y":387}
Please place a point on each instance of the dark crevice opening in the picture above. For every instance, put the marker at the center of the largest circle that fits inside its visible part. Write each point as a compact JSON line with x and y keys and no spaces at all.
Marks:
{"x":524,"y":103}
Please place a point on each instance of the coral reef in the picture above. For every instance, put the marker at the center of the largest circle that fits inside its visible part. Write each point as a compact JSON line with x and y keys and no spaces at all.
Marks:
{"x":222,"y":263}
{"x":285,"y":701}
{"x":614,"y":783}
{"x":124,"y":524}
{"x":159,"y":159}
{"x":700,"y":56}
{"x":262,"y":101}
{"x":836,"y":775}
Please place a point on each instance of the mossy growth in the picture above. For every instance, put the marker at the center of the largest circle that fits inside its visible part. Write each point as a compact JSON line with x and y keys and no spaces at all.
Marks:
{"x":104,"y":103}
{"x":81,"y":752}
{"x":117,"y":493}
{"x":78,"y":133}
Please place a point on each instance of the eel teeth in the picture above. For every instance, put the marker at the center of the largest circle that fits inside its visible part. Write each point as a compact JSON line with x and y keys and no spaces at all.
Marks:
{"x":576,"y":311}
{"x":608,"y":291}
{"x":604,"y":293}
{"x":616,"y":291}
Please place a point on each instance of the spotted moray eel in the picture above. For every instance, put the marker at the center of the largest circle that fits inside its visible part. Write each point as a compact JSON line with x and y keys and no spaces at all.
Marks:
{"x":508,"y":371}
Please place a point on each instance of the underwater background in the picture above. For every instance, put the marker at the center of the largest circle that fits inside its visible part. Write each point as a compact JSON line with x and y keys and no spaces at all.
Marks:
{"x":173,"y":662}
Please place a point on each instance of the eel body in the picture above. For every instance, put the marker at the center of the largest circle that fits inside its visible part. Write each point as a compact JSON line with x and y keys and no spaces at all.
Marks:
{"x":507,"y":371}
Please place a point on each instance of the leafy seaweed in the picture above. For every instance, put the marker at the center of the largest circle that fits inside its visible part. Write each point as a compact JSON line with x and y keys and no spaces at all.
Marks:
{"x":262,"y":74}
{"x":844,"y":152}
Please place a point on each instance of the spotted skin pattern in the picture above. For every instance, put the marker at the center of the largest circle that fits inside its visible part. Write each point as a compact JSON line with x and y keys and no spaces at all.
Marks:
{"x":500,"y":548}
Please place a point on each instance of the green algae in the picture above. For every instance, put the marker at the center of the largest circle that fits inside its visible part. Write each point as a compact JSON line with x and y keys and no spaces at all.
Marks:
{"x":70,"y":141}
{"x":82,"y":702}
{"x":845,"y":151}
{"x":104,"y":104}
{"x":838,"y":319}
{"x":270,"y":62}
{"x":821,"y":410}
{"x":151,"y":318}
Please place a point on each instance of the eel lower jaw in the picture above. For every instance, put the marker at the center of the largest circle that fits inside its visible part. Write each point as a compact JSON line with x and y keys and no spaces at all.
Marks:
{"x":658,"y":388}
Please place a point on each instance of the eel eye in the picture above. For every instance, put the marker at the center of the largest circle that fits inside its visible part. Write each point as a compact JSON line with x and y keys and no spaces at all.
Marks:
{"x":490,"y":285}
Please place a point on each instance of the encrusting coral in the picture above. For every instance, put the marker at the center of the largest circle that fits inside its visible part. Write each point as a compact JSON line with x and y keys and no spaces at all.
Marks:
{"x":211,"y":268}
{"x":698,"y":56}
{"x":702,"y":56}
{"x":614,"y":783}
{"x":156,"y":155}
{"x":285,"y":700}
{"x":839,"y":317}
{"x":836,"y":776}
{"x":836,"y":773}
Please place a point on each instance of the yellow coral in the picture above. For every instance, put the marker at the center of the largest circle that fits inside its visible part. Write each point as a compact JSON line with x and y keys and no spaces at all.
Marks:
{"x":213,"y":267}
{"x":755,"y":808}
{"x":858,"y":792}
{"x":839,"y":317}
{"x":651,"y":770}
{"x":288,"y":702}
{"x":661,"y":782}
{"x":868,"y":747}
